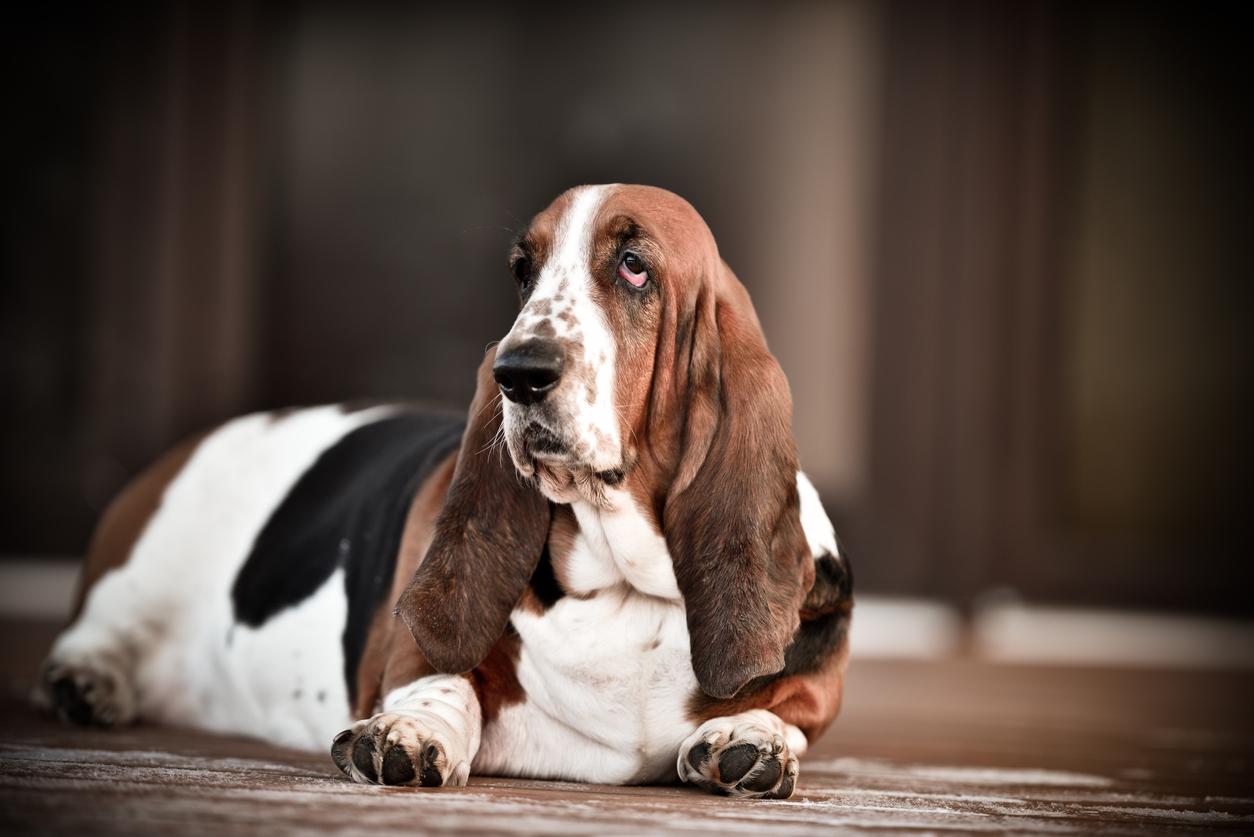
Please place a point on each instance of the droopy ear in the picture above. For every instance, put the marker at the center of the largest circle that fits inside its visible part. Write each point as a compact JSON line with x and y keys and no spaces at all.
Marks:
{"x":732,"y":518}
{"x":488,"y":540}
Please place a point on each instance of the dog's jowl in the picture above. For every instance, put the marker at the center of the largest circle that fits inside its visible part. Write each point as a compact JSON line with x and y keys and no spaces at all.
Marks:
{"x":609,"y":569}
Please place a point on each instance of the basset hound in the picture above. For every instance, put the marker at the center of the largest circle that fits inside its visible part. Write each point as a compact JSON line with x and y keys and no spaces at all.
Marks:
{"x":609,"y":570}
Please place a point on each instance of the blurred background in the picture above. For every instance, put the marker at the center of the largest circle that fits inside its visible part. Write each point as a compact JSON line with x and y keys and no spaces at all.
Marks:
{"x":1001,"y":250}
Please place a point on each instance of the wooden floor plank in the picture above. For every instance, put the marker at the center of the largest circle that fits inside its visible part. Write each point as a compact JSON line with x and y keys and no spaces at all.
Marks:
{"x":929,"y":747}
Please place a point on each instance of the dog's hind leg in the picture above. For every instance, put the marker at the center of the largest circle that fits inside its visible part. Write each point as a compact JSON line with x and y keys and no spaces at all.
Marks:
{"x":90,"y":675}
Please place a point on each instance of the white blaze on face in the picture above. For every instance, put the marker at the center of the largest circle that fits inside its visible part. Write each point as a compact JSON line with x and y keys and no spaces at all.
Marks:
{"x":563,"y":308}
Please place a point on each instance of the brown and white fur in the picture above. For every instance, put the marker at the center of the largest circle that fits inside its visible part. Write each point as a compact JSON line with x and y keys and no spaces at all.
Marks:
{"x":619,"y":575}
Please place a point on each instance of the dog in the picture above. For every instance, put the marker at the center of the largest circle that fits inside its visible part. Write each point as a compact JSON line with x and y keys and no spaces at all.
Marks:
{"x":609,"y":570}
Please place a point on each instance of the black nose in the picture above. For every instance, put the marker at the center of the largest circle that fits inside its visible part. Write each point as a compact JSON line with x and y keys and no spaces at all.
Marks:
{"x":527,"y":373}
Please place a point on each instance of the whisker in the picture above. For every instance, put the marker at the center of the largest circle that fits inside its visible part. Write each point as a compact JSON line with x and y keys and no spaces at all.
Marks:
{"x":496,"y":441}
{"x":491,"y":402}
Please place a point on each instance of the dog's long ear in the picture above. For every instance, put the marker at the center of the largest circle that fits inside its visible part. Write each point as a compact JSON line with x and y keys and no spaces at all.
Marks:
{"x":488,"y":540}
{"x":732,"y":517}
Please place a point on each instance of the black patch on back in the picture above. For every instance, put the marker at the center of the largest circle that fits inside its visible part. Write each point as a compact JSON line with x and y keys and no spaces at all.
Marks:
{"x":347,"y":510}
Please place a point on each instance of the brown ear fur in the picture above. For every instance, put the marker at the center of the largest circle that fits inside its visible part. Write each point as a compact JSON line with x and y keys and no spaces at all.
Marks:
{"x":732,"y":517}
{"x":488,"y":540}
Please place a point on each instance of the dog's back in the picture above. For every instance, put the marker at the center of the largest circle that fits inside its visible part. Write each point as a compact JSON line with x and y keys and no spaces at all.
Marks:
{"x":232,"y":585}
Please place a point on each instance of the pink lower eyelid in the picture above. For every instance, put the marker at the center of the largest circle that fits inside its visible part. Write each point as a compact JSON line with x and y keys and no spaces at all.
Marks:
{"x":637,"y":279}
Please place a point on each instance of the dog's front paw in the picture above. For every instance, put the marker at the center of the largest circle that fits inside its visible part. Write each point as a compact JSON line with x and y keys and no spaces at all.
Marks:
{"x":739,"y":756}
{"x":400,"y":748}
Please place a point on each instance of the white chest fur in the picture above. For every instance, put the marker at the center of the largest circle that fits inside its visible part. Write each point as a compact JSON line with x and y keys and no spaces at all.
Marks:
{"x":607,"y":671}
{"x":606,"y":681}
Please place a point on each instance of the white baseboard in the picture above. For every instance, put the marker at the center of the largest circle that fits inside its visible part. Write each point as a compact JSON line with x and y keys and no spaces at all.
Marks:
{"x":904,"y":628}
{"x":1023,"y":633}
{"x":41,"y":588}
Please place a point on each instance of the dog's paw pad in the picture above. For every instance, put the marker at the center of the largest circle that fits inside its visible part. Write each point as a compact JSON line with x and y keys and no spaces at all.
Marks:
{"x":735,"y":761}
{"x":398,"y":767}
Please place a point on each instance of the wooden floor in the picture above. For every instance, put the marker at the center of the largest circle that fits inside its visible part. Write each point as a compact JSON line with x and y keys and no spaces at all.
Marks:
{"x":958,"y":746}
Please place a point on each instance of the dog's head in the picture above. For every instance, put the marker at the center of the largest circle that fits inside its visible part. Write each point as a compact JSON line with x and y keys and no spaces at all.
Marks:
{"x":636,"y":364}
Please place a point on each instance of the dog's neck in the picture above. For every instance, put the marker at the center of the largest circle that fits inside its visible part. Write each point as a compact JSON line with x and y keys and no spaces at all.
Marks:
{"x":613,"y":544}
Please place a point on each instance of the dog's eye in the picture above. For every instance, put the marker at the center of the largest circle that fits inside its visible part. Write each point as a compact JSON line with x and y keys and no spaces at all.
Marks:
{"x":521,"y":268}
{"x":632,"y":270}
